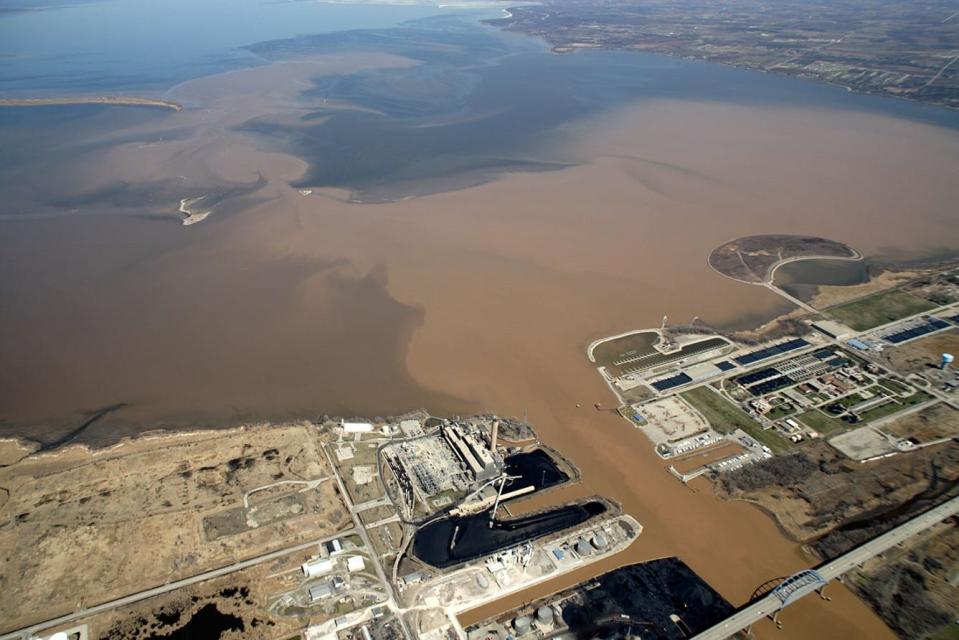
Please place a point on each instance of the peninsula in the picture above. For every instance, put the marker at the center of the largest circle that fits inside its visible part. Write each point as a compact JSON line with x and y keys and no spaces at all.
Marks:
{"x":125,"y":101}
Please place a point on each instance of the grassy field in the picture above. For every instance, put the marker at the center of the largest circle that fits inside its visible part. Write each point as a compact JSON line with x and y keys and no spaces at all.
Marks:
{"x":726,"y":417}
{"x":948,"y":632}
{"x":826,"y":425}
{"x":781,"y":411}
{"x":893,"y":385}
{"x":890,"y":408}
{"x":878,"y":309}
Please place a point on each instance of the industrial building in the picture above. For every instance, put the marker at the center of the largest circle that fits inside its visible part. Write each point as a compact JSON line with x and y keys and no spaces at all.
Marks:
{"x":833,"y":329}
{"x":479,"y":460}
{"x":357,"y":427}
{"x":321,"y":592}
{"x":355,"y":563}
{"x":315,"y":568}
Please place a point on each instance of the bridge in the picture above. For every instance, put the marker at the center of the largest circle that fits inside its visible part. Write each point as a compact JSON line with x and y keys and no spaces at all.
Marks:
{"x":809,"y":581}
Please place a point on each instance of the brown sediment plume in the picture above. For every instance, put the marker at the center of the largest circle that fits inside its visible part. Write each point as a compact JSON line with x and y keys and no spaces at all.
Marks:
{"x":482,"y":299}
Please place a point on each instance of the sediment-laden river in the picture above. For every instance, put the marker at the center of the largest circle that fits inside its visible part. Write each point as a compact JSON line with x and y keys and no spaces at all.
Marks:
{"x":432,"y":214}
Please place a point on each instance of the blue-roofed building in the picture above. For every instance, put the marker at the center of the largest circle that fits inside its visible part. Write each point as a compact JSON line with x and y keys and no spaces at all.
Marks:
{"x":674,"y":381}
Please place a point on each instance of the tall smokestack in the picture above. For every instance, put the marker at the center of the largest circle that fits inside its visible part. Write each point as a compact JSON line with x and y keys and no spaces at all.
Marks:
{"x":492,"y":443}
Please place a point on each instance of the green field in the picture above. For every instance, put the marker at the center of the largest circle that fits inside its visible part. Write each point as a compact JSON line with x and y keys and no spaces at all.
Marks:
{"x":725,"y":417}
{"x":830,"y":426}
{"x":781,"y":411}
{"x":947,"y":632}
{"x":878,"y":309}
{"x":826,"y":425}
{"x":894,"y":385}
{"x":890,"y":408}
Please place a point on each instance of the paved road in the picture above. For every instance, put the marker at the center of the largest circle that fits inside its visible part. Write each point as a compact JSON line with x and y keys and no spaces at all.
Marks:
{"x":392,"y":602}
{"x":26,"y":632}
{"x":768,"y":605}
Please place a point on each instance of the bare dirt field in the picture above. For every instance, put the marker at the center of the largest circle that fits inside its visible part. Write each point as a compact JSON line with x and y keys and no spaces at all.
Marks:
{"x":932,"y":423}
{"x":81,"y":527}
{"x":919,"y":355}
{"x":693,"y":461}
{"x":829,"y":295}
{"x":672,"y":420}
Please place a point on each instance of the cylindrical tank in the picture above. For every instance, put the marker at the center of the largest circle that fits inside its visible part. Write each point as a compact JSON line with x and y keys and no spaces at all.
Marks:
{"x":521,"y":624}
{"x":947,"y":359}
{"x":599,"y":541}
{"x":544,"y":615}
{"x":482,"y":581}
{"x":582,"y":548}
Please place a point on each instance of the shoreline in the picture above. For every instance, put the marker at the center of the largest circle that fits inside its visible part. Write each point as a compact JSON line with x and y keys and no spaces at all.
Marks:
{"x":573,"y":47}
{"x":122,"y":101}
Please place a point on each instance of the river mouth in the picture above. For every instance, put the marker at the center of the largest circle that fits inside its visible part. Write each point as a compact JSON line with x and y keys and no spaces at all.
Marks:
{"x":464,"y":301}
{"x":527,"y":174}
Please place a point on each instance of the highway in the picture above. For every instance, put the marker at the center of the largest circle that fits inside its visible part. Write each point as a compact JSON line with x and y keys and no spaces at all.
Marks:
{"x":771,"y":603}
{"x":30,"y":631}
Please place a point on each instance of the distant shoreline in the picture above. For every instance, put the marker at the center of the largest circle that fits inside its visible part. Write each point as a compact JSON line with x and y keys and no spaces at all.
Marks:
{"x":128,"y":101}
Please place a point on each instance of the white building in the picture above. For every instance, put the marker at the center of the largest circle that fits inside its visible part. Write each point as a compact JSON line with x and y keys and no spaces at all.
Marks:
{"x":355,"y":563}
{"x":315,"y":568}
{"x":357,"y":427}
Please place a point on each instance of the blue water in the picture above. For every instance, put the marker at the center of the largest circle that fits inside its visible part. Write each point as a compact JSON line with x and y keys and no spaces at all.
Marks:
{"x":129,"y":45}
{"x":478,"y":103}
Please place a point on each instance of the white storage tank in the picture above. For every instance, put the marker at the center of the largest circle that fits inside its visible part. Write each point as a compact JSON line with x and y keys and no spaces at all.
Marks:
{"x":544,"y":615}
{"x":522,"y":625}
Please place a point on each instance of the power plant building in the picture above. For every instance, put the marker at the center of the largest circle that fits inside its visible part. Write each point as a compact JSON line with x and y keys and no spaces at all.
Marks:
{"x":474,"y":454}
